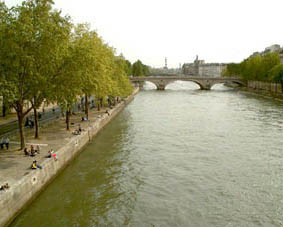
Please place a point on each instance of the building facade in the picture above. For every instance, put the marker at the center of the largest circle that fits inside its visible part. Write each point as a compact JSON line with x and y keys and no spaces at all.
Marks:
{"x":202,"y":69}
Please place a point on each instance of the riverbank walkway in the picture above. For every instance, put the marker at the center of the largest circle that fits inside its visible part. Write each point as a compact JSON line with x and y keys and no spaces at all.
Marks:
{"x":11,"y":117}
{"x":14,"y":164}
{"x":9,"y":123}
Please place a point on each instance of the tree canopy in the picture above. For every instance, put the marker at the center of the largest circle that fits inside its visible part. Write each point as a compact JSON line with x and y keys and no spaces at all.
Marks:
{"x":256,"y":67}
{"x":45,"y":57}
{"x":139,"y":69}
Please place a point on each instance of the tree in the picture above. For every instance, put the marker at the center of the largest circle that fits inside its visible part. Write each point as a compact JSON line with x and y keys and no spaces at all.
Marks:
{"x":66,"y":89}
{"x":121,"y":77}
{"x":86,"y":46}
{"x":41,"y":60}
{"x":138,"y":68}
{"x":232,"y":70}
{"x":145,"y":70}
{"x":51,"y":34}
{"x":32,"y":35}
{"x":128,"y":67}
{"x":17,"y":63}
{"x":269,"y":60}
{"x":276,"y":75}
{"x":254,"y":68}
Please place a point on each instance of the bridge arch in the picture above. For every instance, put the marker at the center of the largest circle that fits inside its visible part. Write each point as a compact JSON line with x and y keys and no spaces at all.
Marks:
{"x":239,"y":83}
{"x":150,"y":84}
{"x":193,"y":81}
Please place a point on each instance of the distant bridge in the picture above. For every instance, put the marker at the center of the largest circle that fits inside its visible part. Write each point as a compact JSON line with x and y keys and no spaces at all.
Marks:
{"x":205,"y":83}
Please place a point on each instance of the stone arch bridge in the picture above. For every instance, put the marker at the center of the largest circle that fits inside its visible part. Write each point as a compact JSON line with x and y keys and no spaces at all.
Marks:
{"x":205,"y":83}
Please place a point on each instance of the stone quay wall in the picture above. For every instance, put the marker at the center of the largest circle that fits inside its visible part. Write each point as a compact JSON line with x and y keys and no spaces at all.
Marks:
{"x":14,"y":200}
{"x":265,"y":87}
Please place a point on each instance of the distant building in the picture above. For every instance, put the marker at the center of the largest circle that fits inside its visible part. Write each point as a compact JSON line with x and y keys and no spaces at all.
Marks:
{"x":202,"y":69}
{"x":271,"y":49}
{"x":211,"y":70}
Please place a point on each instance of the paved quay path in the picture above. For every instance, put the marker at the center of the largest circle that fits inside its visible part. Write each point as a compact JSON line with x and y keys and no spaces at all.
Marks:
{"x":14,"y":164}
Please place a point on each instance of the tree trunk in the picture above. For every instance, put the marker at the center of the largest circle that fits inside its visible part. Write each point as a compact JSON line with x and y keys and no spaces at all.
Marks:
{"x":35,"y":123}
{"x":82,"y":104}
{"x":3,"y":110}
{"x":68,"y":119}
{"x":4,"y":107}
{"x":98,"y":106}
{"x":20,"y":121}
{"x":101,"y":102}
{"x":86,"y":105}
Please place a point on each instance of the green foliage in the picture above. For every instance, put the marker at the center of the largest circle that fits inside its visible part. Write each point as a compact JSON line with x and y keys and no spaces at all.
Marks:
{"x":128,"y":67}
{"x":121,"y":73}
{"x":254,"y":68}
{"x":139,"y":69}
{"x":276,"y":74}
{"x":145,"y":70}
{"x":45,"y":57}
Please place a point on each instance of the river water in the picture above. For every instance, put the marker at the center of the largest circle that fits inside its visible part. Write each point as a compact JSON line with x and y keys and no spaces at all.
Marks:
{"x":179,"y":157}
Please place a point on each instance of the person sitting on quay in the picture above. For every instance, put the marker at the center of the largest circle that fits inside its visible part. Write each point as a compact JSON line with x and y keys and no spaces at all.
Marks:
{"x":32,"y":151}
{"x":76,"y":132}
{"x":52,"y":154}
{"x":4,"y":187}
{"x":84,"y":118}
{"x":27,"y":153}
{"x":34,"y":165}
{"x":107,"y":112}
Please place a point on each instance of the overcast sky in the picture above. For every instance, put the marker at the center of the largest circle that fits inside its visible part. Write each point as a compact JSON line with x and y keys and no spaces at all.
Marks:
{"x":150,"y":30}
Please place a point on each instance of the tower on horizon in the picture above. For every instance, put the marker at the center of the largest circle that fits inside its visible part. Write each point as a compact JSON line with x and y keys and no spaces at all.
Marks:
{"x":165,"y":67}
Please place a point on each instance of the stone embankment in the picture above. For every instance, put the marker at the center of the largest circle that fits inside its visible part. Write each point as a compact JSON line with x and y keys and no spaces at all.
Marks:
{"x":265,"y":88}
{"x":24,"y":189}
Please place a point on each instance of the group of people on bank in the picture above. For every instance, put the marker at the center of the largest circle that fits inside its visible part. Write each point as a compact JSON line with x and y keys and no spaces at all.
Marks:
{"x":33,"y":151}
{"x":51,"y":154}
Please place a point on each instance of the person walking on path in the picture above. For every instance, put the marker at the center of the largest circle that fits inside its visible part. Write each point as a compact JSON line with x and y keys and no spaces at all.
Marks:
{"x":7,"y":141}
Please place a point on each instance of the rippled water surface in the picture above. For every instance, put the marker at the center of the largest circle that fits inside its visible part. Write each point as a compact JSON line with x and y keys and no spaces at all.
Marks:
{"x":179,"y":157}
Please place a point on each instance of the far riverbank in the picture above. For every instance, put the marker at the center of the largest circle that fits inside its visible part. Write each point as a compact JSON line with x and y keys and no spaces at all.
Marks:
{"x":265,"y":89}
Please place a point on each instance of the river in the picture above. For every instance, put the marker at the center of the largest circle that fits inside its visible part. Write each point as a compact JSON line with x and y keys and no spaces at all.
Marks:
{"x":179,"y":157}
